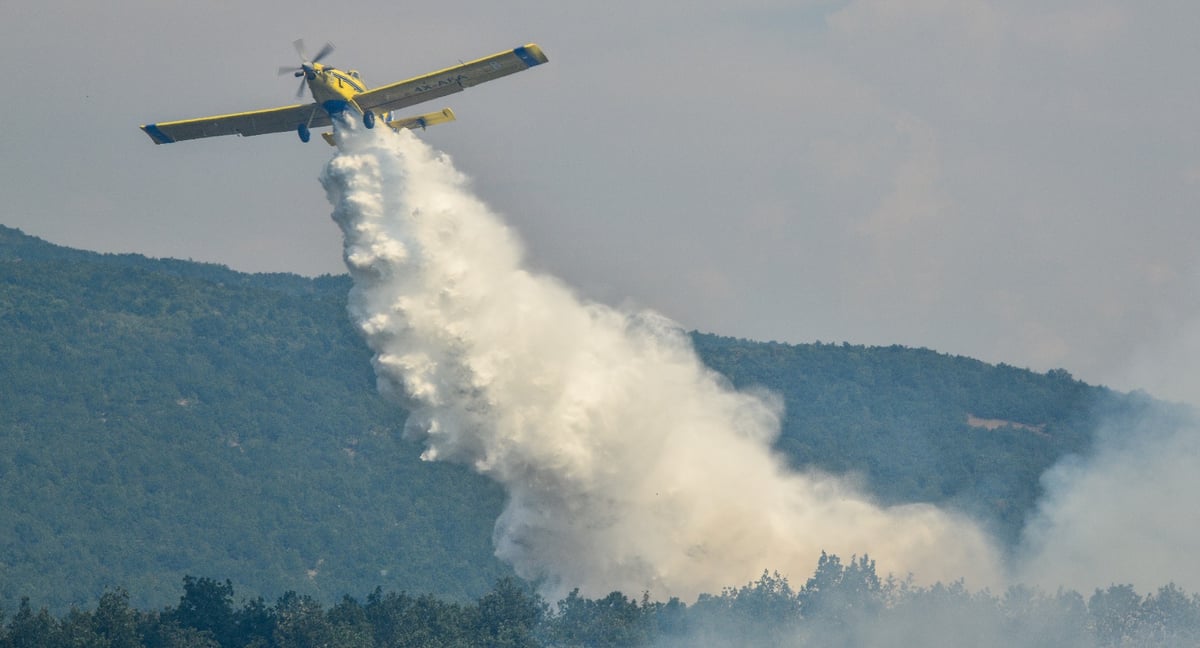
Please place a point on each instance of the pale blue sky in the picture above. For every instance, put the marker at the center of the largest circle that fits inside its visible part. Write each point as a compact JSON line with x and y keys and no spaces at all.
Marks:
{"x":1014,"y":181}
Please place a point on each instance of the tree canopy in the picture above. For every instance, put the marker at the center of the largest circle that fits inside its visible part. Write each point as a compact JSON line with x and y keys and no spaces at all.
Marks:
{"x":842,"y":604}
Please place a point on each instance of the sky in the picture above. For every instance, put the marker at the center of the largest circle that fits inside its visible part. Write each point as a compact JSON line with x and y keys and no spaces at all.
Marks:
{"x":1013,"y":181}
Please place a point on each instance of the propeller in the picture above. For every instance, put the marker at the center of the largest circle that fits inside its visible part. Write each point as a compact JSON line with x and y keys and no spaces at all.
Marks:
{"x":306,"y":64}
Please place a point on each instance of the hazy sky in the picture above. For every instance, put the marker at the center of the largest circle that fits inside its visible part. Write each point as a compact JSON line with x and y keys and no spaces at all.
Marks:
{"x":1016,"y":181}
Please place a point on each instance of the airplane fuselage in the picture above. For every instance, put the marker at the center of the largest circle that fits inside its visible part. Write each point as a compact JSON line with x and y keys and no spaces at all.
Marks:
{"x":333,"y":89}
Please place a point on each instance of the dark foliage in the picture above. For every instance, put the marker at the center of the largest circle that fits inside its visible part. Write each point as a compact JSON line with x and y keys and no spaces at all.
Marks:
{"x":843,"y":604}
{"x":160,"y":418}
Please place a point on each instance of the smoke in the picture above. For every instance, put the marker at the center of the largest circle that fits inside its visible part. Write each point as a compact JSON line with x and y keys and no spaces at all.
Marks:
{"x":628,"y":465}
{"x":1126,"y":513}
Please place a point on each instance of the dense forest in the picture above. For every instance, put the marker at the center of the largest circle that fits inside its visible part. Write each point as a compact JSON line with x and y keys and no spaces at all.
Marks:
{"x":841,"y":604}
{"x":163,"y":417}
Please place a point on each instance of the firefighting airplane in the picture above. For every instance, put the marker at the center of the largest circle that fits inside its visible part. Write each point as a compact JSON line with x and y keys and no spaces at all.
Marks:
{"x":338,"y":93}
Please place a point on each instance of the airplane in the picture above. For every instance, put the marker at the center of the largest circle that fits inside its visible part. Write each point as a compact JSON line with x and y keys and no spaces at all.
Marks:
{"x":342,"y":94}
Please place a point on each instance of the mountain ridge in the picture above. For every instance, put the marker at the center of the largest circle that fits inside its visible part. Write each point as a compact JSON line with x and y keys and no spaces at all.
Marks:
{"x":166,"y":417}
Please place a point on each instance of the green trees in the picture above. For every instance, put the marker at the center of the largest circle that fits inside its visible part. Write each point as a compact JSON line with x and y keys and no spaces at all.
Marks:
{"x":301,"y":622}
{"x":29,"y":629}
{"x":762,"y":612}
{"x":614,"y":620}
{"x":1114,"y":614}
{"x":1119,"y":616}
{"x":399,"y":620}
{"x":114,"y":622}
{"x":207,"y":606}
{"x":841,"y":604}
{"x":508,"y":615}
{"x":842,"y":595}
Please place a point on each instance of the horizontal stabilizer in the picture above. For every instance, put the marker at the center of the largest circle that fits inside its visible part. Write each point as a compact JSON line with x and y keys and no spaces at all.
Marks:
{"x":419,"y":121}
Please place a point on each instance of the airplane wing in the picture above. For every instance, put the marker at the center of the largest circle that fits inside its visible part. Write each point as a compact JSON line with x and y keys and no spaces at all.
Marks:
{"x":450,"y":80}
{"x":256,"y":122}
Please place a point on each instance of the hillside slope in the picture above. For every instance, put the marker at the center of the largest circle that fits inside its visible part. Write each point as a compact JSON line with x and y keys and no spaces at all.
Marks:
{"x":921,"y":426}
{"x":164,"y":417}
{"x":161,"y":418}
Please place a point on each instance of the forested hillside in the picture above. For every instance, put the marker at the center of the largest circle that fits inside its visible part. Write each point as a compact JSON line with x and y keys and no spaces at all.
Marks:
{"x":162,"y":418}
{"x":921,"y":426}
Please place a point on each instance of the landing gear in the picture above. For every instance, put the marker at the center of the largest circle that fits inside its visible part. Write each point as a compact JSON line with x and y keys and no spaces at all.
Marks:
{"x":305,"y":134}
{"x":369,"y":119}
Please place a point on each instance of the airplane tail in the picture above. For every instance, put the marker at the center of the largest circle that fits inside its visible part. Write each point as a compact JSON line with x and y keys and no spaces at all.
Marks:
{"x":421,"y":121}
{"x":418,"y":121}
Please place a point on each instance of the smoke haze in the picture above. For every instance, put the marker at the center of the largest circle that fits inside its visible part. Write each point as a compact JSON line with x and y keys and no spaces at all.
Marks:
{"x":1124,"y":514}
{"x":628,"y":465}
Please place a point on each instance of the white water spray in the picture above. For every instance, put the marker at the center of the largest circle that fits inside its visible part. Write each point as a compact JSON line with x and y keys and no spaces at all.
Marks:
{"x":628,"y":465}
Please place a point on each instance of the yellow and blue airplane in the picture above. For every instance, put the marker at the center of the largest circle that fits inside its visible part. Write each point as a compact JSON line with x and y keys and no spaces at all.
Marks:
{"x":342,"y":94}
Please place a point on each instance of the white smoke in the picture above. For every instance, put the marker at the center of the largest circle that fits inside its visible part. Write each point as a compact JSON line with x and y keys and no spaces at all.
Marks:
{"x":1125,"y":514}
{"x":628,"y":465}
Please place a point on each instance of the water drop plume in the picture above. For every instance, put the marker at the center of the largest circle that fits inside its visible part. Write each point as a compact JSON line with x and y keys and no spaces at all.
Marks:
{"x":627,"y":463}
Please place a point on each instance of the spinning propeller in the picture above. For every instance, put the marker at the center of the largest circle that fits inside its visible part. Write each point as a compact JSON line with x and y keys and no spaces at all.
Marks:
{"x":306,"y":69}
